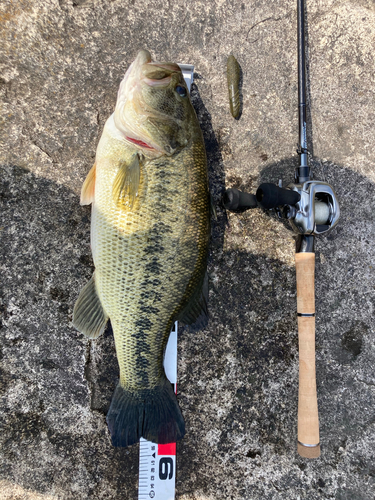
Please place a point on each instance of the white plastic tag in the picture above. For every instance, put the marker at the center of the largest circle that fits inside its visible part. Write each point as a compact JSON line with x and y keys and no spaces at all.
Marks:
{"x":188,"y":73}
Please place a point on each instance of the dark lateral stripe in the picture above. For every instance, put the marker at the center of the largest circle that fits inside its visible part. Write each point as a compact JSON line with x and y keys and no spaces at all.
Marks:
{"x":306,"y":315}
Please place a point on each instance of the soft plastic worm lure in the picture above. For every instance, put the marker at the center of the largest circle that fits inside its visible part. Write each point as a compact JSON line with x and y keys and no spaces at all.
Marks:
{"x":233,"y":76}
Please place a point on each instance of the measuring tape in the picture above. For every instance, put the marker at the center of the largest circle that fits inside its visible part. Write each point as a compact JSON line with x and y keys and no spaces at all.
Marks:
{"x":157,"y":462}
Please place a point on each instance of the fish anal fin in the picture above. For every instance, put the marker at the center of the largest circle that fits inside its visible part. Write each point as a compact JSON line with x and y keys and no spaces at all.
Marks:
{"x":126,"y":183}
{"x":88,"y":187}
{"x":89,"y":316}
{"x":195,"y":313}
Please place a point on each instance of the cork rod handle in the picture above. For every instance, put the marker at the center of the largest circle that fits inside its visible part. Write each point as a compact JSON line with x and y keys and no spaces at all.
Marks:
{"x":308,"y":420}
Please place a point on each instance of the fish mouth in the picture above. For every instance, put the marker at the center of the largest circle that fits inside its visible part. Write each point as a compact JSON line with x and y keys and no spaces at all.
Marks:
{"x":143,"y":70}
{"x":132,"y":74}
{"x":159,"y":74}
{"x":131,"y":113}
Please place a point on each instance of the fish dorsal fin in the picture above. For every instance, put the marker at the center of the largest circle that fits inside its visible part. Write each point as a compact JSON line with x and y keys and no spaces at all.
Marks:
{"x":89,"y":316}
{"x":195,"y":313}
{"x":88,"y":187}
{"x":126,"y":183}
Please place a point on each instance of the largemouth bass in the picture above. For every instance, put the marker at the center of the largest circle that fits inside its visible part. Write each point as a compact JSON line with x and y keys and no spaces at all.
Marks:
{"x":149,"y":238}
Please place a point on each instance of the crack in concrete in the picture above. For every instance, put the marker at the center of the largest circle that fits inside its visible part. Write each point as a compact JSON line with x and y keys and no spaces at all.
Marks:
{"x":262,"y":21}
{"x":33,"y":141}
{"x":364,"y":382}
{"x":36,"y":143}
{"x":87,"y":373}
{"x":87,"y":367}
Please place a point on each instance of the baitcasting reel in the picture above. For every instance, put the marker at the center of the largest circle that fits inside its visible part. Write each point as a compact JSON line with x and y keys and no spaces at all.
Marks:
{"x":311,"y":207}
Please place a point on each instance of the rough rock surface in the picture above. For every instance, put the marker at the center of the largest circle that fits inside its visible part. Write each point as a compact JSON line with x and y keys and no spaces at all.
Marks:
{"x":61,"y":64}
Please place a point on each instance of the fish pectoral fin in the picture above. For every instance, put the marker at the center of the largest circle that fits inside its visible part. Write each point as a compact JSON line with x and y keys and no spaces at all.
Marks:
{"x":88,"y":187}
{"x":195,"y":313}
{"x":89,"y":316}
{"x":126,"y":184}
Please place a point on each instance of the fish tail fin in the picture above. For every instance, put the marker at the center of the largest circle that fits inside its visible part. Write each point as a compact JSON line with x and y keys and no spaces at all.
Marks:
{"x":153,"y":414}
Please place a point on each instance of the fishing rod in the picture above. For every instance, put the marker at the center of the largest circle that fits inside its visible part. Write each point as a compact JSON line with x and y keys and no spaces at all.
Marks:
{"x":312,"y":209}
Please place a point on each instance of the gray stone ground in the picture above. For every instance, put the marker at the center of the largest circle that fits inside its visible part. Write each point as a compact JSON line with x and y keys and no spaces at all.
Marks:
{"x":61,"y":64}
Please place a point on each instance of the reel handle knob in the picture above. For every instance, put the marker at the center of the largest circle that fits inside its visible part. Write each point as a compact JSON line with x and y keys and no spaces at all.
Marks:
{"x":234,"y":199}
{"x":271,"y":196}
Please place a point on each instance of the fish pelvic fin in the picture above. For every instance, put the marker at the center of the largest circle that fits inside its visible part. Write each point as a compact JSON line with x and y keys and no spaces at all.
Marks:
{"x":89,"y":316}
{"x":88,"y":187}
{"x":126,"y":183}
{"x":153,"y":414}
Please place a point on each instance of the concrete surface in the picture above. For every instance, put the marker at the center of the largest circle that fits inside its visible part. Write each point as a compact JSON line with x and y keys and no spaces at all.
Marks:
{"x":61,"y":64}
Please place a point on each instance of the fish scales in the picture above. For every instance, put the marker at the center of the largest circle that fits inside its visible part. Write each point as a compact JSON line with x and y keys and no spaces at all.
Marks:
{"x":146,"y":256}
{"x":149,"y":243}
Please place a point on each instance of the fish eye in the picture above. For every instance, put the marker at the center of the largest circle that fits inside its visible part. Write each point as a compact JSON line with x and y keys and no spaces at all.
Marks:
{"x":181,"y":91}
